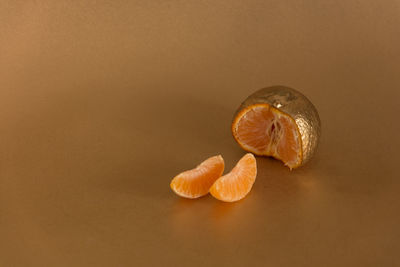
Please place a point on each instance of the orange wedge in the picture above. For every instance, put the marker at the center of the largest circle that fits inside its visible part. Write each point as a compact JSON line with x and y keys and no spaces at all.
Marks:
{"x":197,"y":182}
{"x":237,"y":184}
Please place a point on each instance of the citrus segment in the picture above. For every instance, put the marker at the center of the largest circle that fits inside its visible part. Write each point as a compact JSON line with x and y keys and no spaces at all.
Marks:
{"x":238,"y":183}
{"x":288,"y":148}
{"x":252,"y":129}
{"x":197,"y":182}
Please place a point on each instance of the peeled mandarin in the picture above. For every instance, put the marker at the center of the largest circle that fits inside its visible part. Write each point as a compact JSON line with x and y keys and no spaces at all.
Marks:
{"x":280,"y":122}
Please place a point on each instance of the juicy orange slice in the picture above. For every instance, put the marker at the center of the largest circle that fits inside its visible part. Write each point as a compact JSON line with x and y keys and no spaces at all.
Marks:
{"x":238,"y":183}
{"x":197,"y":182}
{"x":266,"y":131}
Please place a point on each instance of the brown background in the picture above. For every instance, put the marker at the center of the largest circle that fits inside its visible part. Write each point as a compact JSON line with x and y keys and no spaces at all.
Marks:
{"x":103,"y":102}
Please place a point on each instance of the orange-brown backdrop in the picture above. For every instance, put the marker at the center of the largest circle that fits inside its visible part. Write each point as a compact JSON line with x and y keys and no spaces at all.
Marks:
{"x":103,"y":102}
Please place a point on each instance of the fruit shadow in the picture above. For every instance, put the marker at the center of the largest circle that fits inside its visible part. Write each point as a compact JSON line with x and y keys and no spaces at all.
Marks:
{"x":196,"y":212}
{"x":222,"y":210}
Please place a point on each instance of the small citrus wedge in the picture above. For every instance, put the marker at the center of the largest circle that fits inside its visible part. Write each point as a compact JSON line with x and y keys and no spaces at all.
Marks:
{"x":237,"y":184}
{"x":196,"y":182}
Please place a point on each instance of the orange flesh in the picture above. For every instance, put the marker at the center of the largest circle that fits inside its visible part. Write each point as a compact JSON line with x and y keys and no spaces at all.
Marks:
{"x":238,"y":183}
{"x":264,"y":130}
{"x":197,"y":182}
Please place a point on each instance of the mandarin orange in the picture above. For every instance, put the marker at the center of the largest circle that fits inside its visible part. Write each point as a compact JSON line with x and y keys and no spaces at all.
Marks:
{"x":280,"y":122}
